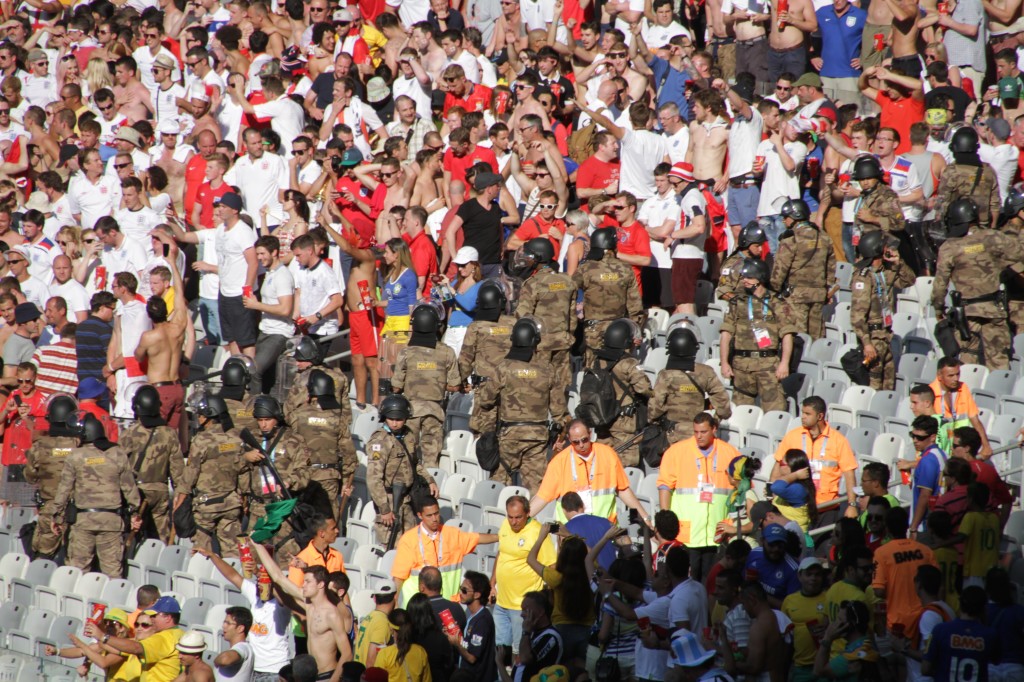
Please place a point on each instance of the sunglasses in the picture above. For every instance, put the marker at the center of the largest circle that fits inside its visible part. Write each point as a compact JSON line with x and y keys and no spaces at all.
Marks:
{"x":152,"y":35}
{"x":581,"y":441}
{"x":543,"y":175}
{"x":90,"y":241}
{"x":64,"y":243}
{"x":546,"y":207}
{"x":317,"y":9}
{"x":388,"y":175}
{"x":5,"y":112}
{"x":464,"y":590}
{"x":119,"y":166}
{"x":106,"y":108}
{"x":140,"y":624}
{"x":26,"y":381}
{"x":296,"y":152}
{"x":876,"y":517}
{"x":917,"y":436}
{"x":784,"y":87}
{"x":13,"y":261}
{"x":617,"y":55}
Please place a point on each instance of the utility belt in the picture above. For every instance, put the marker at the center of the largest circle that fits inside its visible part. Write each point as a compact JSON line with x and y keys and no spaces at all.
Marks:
{"x":593,"y":323}
{"x":504,"y":424}
{"x":335,"y":467}
{"x":987,"y":298}
{"x":204,"y":498}
{"x":755,"y":353}
{"x":94,"y":510}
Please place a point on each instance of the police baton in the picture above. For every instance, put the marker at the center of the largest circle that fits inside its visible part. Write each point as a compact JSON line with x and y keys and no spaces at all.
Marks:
{"x":398,"y":492}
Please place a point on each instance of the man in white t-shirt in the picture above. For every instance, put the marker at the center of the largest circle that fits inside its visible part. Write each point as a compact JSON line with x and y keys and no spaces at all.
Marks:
{"x":237,"y":663}
{"x":262,"y":178}
{"x":146,"y":56}
{"x":136,"y":220}
{"x":451,"y":43}
{"x":744,"y":136}
{"x":275,"y":305}
{"x":286,"y":116}
{"x":660,"y":215}
{"x":130,"y":322}
{"x":167,"y":91}
{"x":783,"y":157}
{"x":688,"y":239}
{"x":997,"y":151}
{"x":676,"y":129}
{"x":65,"y":286}
{"x":317,"y":294}
{"x":51,"y":185}
{"x":119,"y":254}
{"x":92,"y":194}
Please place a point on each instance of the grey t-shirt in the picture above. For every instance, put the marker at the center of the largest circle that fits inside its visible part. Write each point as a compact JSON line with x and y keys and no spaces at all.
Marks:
{"x":18,"y":349}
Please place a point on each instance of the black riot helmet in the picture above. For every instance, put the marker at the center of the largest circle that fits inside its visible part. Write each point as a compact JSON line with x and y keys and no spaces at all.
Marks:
{"x":1014,"y":203}
{"x":425,"y":320}
{"x":212,"y":407}
{"x":540,"y":250}
{"x":526,"y":333}
{"x":235,"y":373}
{"x":964,"y":141}
{"x":87,"y":428}
{"x":960,"y":215}
{"x":319,"y":384}
{"x":146,"y":402}
{"x":307,"y":350}
{"x":491,"y":296}
{"x":267,"y":407}
{"x":395,"y":407}
{"x":797,"y":209}
{"x":752,"y":233}
{"x":753,"y":268}
{"x":872,"y":245}
{"x":682,"y":343}
{"x":606,"y":238}
{"x":60,"y":409}
{"x":867,"y":168}
{"x":620,"y":335}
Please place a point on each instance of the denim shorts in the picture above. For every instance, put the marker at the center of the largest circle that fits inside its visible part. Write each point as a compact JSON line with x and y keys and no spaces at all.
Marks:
{"x":508,"y":627}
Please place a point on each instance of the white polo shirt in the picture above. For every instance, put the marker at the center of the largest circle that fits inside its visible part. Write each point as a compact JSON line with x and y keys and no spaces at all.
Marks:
{"x":231,"y":246}
{"x":260,"y":181}
{"x":315,"y":286}
{"x":93,"y":200}
{"x":277,"y":283}
{"x":653,"y":214}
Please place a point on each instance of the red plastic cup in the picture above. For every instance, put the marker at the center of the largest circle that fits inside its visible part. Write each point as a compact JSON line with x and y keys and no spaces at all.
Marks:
{"x":247,"y":291}
{"x":643,"y":622}
{"x":943,"y":8}
{"x":813,"y":166}
{"x":844,"y":178}
{"x":879,"y":42}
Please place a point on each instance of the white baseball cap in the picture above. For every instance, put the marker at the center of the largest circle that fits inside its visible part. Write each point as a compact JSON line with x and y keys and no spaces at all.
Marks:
{"x":467,"y":254}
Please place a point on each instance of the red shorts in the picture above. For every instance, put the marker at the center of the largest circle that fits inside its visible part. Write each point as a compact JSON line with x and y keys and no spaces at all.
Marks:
{"x":685,"y":272}
{"x":172,"y":398}
{"x":364,"y":337}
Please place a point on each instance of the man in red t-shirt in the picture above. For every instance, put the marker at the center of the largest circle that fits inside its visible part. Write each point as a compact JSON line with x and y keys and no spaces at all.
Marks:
{"x":22,"y":413}
{"x":600,"y":173}
{"x":421,"y":246}
{"x":901,"y":99}
{"x":353,"y":197}
{"x":211,"y":190}
{"x":634,"y":242}
{"x":462,"y":154}
{"x":195,"y":169}
{"x":543,"y":224}
{"x":459,"y":91}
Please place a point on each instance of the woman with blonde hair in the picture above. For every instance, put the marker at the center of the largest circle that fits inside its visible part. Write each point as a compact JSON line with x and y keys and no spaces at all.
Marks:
{"x":296,"y":209}
{"x":69,"y":239}
{"x":97,"y":75}
{"x":69,"y":72}
{"x":401,"y":288}
{"x":86,"y":266}
{"x":936,"y":52}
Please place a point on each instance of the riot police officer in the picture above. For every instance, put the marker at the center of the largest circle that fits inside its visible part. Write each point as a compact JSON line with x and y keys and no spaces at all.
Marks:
{"x":309,"y":355}
{"x":609,"y":290}
{"x":154,"y":454}
{"x":1012,"y":223}
{"x":392,"y":460}
{"x":488,"y":337}
{"x":235,"y":377}
{"x":877,"y":277}
{"x":320,"y":424}
{"x":216,"y":475}
{"x":756,"y":342}
{"x":98,"y":481}
{"x":972,"y":258}
{"x":523,"y":384}
{"x":749,"y":245}
{"x":550,"y":296}
{"x":685,"y":387}
{"x":280,"y":465}
{"x":968,"y":177}
{"x":44,"y":462}
{"x":424,"y":370}
{"x":631,"y":385}
{"x":804,"y":269}
{"x":878,"y":207}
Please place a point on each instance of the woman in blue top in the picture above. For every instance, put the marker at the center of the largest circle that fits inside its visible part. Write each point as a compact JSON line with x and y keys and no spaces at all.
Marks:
{"x":465,"y":286}
{"x":401,"y":288}
{"x":794,"y":491}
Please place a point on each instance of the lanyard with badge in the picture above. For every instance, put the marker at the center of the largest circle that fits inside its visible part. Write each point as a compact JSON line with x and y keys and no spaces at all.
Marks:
{"x":440,"y":546}
{"x":816,"y":464}
{"x":761,"y":335}
{"x":706,"y":490}
{"x":586,"y":494}
{"x":883,"y":299}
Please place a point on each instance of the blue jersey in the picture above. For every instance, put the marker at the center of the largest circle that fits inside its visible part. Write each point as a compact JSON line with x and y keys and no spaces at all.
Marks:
{"x":779,"y":580}
{"x":961,"y":650}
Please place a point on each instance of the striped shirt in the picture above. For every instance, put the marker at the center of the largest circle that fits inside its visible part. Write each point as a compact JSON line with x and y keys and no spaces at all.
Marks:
{"x":91,"y":341}
{"x":58,"y":368}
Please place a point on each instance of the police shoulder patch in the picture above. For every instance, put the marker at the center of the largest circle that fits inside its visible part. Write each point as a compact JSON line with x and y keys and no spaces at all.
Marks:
{"x":858,"y":285}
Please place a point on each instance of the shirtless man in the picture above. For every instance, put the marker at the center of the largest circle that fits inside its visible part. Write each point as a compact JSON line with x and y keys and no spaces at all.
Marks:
{"x":527,"y":103}
{"x":897,"y":20}
{"x":263,"y":20}
{"x":587,"y":48}
{"x":160,"y":348}
{"x":6,"y":233}
{"x":787,"y":48}
{"x":202,"y":112}
{"x":723,"y":37}
{"x":432,"y":57}
{"x":173,"y":158}
{"x":7,"y":305}
{"x":391,"y":184}
{"x":190,"y":653}
{"x":617,"y":58}
{"x":327,"y":640}
{"x":35,"y":120}
{"x":427,"y":192}
{"x":131,"y":96}
{"x":751,"y":46}
{"x":765,"y":657}
{"x":709,"y":141}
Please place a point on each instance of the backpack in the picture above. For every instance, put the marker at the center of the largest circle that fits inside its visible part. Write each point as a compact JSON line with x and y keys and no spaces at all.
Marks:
{"x":915,"y":629}
{"x":598,"y":406}
{"x":581,"y":142}
{"x":717,"y":213}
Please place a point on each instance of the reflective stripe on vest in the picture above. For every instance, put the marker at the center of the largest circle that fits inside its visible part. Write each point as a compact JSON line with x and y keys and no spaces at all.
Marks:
{"x":702,"y":518}
{"x":451,"y":581}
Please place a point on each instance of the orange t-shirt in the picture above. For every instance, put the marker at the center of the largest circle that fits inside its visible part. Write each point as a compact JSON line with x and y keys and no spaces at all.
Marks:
{"x":312,"y":556}
{"x":896,"y":564}
{"x":830,"y":456}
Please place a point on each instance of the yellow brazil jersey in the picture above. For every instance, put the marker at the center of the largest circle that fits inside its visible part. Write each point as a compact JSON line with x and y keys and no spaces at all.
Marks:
{"x":803,"y":610}
{"x":981,"y":551}
{"x":949,"y":563}
{"x":513,"y":575}
{"x":374,"y":628}
{"x":847,"y":591}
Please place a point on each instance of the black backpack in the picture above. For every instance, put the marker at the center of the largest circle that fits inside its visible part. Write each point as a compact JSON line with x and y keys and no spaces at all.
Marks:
{"x":598,"y":406}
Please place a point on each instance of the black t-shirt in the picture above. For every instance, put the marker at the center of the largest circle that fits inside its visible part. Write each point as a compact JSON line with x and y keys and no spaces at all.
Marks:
{"x":936,"y":99}
{"x":547,"y":650}
{"x":323,"y":86}
{"x":439,"y":653}
{"x":478,"y":639}
{"x":482,"y":230}
{"x":440,"y":604}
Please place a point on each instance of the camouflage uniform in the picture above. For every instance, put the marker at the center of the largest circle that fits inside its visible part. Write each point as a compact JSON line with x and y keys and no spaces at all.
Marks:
{"x":389,"y":463}
{"x":291,"y":458}
{"x":957,"y":182}
{"x":551,"y":297}
{"x":240,"y":412}
{"x":679,"y":397}
{"x":754,"y":367}
{"x":162,"y":460}
{"x":44,"y":462}
{"x":486,"y":344}
{"x":423,"y":375}
{"x":729,"y":284}
{"x":217,"y":473}
{"x":1013,"y":276}
{"x":872,"y":321}
{"x":332,"y":453}
{"x":806,"y":266}
{"x":886,"y":207}
{"x":95,"y":481}
{"x":629,"y":372}
{"x":298,"y":393}
{"x":609,"y":292}
{"x":973,"y":263}
{"x":522,"y":393}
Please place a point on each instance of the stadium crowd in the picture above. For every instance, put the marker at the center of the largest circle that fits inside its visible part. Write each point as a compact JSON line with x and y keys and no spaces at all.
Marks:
{"x":265,"y":264}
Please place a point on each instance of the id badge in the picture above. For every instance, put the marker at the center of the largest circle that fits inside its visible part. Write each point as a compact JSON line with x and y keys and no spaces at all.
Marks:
{"x":707,"y":491}
{"x":887,"y":316}
{"x":587,"y":496}
{"x":762,"y":337}
{"x":816,"y":472}
{"x":855,"y":237}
